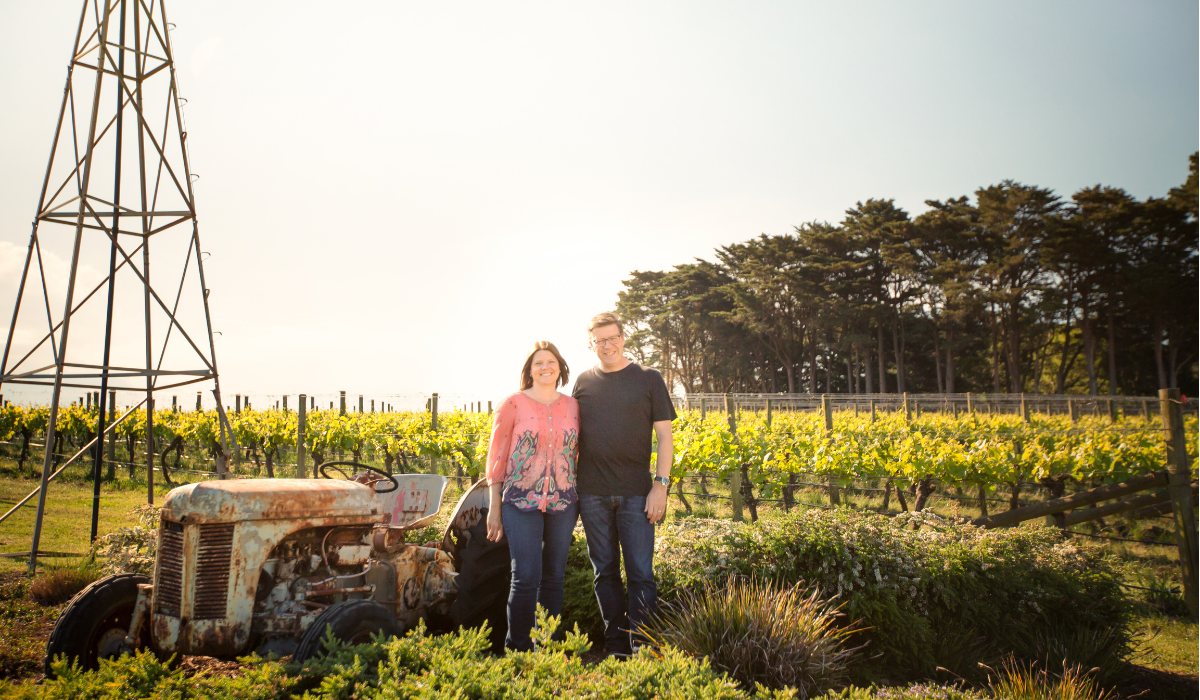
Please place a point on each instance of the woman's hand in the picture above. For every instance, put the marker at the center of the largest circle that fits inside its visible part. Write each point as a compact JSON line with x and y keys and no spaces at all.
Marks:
{"x":495,"y":527}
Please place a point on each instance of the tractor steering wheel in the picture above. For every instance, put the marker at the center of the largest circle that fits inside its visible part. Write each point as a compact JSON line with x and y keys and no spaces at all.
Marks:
{"x":383,"y":476}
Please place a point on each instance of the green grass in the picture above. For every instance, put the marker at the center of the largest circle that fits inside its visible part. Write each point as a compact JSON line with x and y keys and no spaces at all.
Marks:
{"x":67,"y":523}
{"x":1171,"y":644}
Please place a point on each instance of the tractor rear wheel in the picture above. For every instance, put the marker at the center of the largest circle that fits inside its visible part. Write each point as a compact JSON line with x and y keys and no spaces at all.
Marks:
{"x":351,"y":621}
{"x":94,"y":624}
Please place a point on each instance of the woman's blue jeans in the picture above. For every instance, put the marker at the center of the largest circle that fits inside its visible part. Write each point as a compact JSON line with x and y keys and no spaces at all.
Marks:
{"x":537,"y":544}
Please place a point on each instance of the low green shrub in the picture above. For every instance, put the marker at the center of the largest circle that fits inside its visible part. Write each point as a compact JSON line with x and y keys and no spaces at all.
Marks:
{"x":913,"y":692}
{"x":943,"y":595}
{"x":758,"y":633}
{"x":416,"y":666}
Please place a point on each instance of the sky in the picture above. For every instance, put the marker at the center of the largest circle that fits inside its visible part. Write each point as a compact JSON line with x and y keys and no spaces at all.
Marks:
{"x":399,"y":198}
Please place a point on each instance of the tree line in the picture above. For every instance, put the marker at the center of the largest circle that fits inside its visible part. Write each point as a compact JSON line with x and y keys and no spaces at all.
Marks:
{"x":1012,"y":290}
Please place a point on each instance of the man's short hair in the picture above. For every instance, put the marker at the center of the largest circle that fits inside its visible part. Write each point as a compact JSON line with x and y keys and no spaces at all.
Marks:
{"x":607,"y":318}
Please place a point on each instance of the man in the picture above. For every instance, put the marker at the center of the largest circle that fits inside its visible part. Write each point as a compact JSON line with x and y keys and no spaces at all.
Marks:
{"x":620,"y":405}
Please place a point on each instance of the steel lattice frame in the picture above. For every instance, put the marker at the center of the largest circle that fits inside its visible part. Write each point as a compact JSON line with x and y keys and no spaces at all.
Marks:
{"x":133,"y":73}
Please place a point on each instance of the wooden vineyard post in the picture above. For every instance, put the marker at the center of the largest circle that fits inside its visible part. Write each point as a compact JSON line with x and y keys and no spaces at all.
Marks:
{"x":1112,"y":411}
{"x":433,"y":412}
{"x":237,"y":404}
{"x":360,"y":403}
{"x":703,"y":405}
{"x":768,"y":413}
{"x":835,"y":497}
{"x":1146,"y":410}
{"x":1179,"y":481}
{"x":1071,"y":408}
{"x":970,"y":403}
{"x":872,"y":410}
{"x":735,"y":479}
{"x":489,"y":408}
{"x":1024,"y":408}
{"x":301,"y":420}
{"x":907,"y":409}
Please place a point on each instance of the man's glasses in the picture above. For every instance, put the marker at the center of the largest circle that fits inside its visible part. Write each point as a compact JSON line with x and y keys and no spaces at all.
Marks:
{"x":601,"y":342}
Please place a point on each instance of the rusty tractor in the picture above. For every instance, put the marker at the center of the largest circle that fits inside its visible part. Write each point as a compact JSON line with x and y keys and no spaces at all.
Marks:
{"x":269,"y":565}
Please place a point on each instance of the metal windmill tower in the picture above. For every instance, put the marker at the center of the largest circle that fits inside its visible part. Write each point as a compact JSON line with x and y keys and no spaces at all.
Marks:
{"x":117,"y":201}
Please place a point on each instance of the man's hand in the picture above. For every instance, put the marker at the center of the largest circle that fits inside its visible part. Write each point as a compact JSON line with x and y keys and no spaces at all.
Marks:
{"x":656,"y":503}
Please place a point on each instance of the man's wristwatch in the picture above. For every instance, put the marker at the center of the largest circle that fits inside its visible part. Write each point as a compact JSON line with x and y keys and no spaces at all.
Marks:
{"x":664,"y":480}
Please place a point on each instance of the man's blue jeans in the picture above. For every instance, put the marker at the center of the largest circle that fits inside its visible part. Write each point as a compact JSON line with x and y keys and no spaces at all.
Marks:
{"x":537,"y":545}
{"x":616,"y":525}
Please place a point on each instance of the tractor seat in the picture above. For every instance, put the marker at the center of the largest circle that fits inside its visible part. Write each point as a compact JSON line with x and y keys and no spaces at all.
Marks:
{"x":416,"y":503}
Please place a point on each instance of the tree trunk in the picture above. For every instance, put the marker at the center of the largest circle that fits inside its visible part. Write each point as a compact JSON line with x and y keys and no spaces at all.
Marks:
{"x":937,"y":361}
{"x":867,"y":369}
{"x":1089,"y":352}
{"x":791,"y":376}
{"x":950,"y":360}
{"x":1159,"y":332}
{"x":900,"y":498}
{"x":25,"y":435}
{"x":900,"y":389}
{"x":748,"y":495}
{"x":1015,"y":491}
{"x":270,"y":459}
{"x":851,"y":381}
{"x":882,"y":365}
{"x":983,"y":507}
{"x":887,"y":495}
{"x":1112,"y":355}
{"x":925,"y":489}
{"x":682,"y":499}
{"x":789,"y":492}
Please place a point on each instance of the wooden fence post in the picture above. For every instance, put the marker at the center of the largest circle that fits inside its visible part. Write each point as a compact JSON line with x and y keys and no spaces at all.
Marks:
{"x":1024,"y":408}
{"x":835,"y":496}
{"x":433,"y":412}
{"x":1112,"y":411}
{"x":1073,"y":410}
{"x":768,"y":413}
{"x":735,"y":479}
{"x":301,"y":421}
{"x":907,"y":409}
{"x":1179,"y":484}
{"x":970,"y":403}
{"x":703,"y":406}
{"x":342,"y":403}
{"x":1146,"y":411}
{"x":872,"y":410}
{"x":489,"y":408}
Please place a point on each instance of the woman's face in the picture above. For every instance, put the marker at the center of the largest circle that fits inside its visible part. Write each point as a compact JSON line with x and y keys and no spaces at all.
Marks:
{"x":544,"y":369}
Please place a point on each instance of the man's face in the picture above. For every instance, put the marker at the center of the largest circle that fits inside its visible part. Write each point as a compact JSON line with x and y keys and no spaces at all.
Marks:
{"x":608,"y":343}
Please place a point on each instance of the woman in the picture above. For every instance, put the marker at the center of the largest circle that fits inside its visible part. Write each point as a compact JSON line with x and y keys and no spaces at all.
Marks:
{"x":531,"y":475}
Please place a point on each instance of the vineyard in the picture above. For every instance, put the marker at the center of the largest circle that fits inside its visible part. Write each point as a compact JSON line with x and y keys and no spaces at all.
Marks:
{"x":998,"y":457}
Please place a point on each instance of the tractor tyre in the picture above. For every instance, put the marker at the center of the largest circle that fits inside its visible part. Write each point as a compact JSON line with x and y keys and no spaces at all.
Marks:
{"x":352,"y":621}
{"x":94,"y":624}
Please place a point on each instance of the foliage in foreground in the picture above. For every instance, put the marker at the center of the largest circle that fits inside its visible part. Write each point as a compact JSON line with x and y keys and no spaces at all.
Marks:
{"x":21,"y":651}
{"x":943,"y":595}
{"x":415,"y":666}
{"x":758,"y":633}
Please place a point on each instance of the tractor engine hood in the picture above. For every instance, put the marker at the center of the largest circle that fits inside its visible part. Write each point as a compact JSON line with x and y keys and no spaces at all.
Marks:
{"x":271,"y":499}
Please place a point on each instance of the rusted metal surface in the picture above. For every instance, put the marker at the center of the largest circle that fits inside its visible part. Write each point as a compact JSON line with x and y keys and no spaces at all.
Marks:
{"x":245,"y":562}
{"x":269,"y":499}
{"x":168,"y":579}
{"x":212,"y":571}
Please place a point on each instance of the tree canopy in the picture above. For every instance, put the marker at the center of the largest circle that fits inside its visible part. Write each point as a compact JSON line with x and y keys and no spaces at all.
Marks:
{"x":1013,"y":289}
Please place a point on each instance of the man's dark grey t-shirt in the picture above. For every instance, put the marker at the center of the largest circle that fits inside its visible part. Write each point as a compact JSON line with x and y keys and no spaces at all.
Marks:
{"x":617,"y":412}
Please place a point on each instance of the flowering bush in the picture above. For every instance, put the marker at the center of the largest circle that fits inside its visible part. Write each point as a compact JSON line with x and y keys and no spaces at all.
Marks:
{"x":130,"y":549}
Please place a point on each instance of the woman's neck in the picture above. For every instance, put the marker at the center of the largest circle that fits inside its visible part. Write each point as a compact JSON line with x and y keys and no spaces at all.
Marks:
{"x":542,"y":394}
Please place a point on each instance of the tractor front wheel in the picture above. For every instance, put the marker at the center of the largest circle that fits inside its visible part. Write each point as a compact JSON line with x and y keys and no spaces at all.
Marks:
{"x":351,"y":621}
{"x":94,"y":624}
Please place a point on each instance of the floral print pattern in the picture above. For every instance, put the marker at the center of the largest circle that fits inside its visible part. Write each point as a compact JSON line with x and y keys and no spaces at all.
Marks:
{"x":533,"y":452}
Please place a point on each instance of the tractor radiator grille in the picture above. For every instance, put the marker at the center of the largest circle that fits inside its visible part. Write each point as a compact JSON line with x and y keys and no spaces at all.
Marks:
{"x":212,"y":571}
{"x":168,"y":588}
